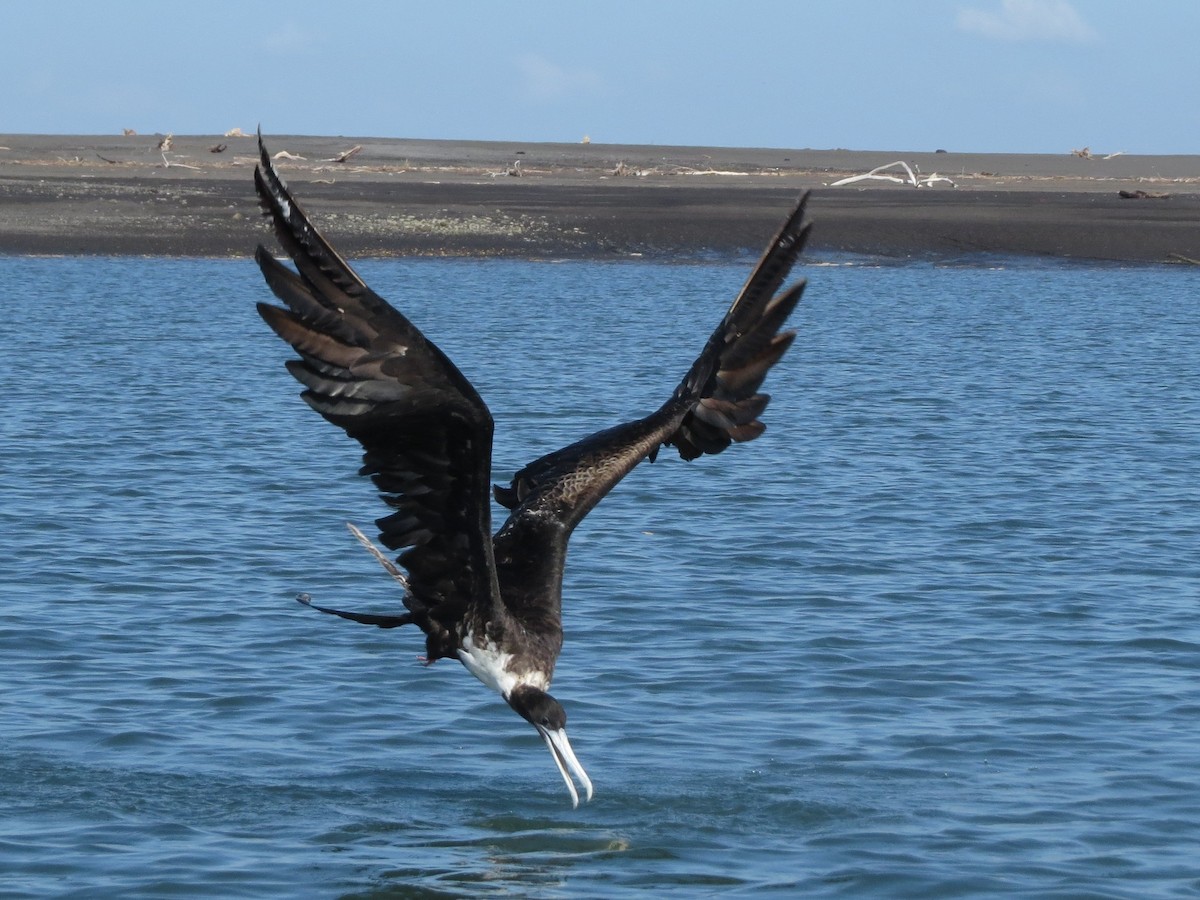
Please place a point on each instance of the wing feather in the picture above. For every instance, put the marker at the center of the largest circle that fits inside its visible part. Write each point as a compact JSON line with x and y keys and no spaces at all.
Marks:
{"x":425,"y":432}
{"x":716,"y":404}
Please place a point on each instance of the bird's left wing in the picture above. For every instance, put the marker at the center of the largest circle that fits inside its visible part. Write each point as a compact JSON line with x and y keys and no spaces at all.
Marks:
{"x":717,"y":403}
{"x":425,"y":432}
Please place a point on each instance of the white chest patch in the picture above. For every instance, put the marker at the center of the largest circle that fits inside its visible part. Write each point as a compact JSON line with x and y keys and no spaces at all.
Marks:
{"x":490,"y":665}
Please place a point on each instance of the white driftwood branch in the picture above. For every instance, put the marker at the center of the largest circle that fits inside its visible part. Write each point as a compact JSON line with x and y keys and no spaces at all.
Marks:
{"x":873,"y":175}
{"x":1086,"y":153}
{"x":167,"y":163}
{"x":933,"y":178}
{"x":513,"y":171}
{"x":342,"y":157}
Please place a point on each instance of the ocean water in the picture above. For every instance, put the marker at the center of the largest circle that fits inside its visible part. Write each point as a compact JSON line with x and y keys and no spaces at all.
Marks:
{"x":934,"y":634}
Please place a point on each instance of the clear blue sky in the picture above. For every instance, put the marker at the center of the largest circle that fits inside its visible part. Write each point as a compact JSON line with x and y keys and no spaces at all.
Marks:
{"x":1042,"y":76}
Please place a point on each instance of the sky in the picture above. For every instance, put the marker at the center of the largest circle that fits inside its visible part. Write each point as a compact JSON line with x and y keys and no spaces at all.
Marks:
{"x":1036,"y":76}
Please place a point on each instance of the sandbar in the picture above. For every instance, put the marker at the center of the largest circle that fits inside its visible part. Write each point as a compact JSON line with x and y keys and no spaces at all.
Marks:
{"x":126,"y":195}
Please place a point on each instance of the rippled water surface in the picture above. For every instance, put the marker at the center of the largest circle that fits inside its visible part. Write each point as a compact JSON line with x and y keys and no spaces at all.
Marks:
{"x":935,"y":633}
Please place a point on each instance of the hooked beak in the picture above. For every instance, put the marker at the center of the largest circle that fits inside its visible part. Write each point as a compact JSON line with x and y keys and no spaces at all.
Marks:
{"x":564,"y":758}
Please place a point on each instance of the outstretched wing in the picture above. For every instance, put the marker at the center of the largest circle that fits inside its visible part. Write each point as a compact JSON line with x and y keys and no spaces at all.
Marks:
{"x":425,"y":432}
{"x":717,"y":403}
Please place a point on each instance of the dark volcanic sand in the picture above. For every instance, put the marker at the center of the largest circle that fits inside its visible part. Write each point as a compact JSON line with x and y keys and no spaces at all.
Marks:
{"x":114,"y":195}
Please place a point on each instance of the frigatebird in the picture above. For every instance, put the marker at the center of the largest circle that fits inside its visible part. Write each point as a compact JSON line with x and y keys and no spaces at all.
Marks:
{"x":493,"y":602}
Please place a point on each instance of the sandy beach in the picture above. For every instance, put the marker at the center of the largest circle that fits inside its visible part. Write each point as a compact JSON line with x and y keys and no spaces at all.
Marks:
{"x":124,"y":195}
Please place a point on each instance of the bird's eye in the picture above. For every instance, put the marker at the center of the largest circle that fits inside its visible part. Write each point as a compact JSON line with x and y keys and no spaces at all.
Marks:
{"x":546,"y":721}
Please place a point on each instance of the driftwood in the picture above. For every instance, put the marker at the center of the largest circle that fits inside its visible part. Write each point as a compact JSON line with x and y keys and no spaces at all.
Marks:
{"x":917,"y":182}
{"x":342,"y":157}
{"x":217,"y":148}
{"x":283,"y":154}
{"x":164,"y":147}
{"x":1186,"y":259}
{"x":167,"y":164}
{"x":513,"y":171}
{"x":624,"y":170}
{"x":1086,"y":153}
{"x":1142,"y":195}
{"x":687,"y":170}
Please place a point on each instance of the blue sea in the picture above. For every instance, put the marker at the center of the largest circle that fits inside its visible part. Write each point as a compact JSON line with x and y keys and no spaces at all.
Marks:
{"x":935,"y":634}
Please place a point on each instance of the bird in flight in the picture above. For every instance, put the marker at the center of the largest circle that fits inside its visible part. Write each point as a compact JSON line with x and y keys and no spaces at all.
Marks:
{"x":493,"y":601}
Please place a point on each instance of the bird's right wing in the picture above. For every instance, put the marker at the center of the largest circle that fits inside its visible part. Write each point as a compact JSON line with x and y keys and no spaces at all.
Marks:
{"x":425,"y":432}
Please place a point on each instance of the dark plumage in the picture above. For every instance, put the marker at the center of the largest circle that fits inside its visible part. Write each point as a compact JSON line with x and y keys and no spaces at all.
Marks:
{"x":493,"y":602}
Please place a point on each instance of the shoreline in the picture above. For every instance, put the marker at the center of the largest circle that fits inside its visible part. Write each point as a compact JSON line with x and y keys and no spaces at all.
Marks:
{"x":122,"y":195}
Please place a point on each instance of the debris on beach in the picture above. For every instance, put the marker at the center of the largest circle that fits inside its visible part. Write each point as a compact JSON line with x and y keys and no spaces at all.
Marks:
{"x":513,"y":171}
{"x":348,"y":154}
{"x":913,"y":179}
{"x":164,"y":147}
{"x":217,"y":148}
{"x":1086,"y":153}
{"x":708,"y":170}
{"x":283,"y":154}
{"x":1142,"y":195}
{"x":624,"y":170}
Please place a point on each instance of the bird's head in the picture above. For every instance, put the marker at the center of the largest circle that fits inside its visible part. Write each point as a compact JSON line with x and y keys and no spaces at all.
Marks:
{"x":546,"y":714}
